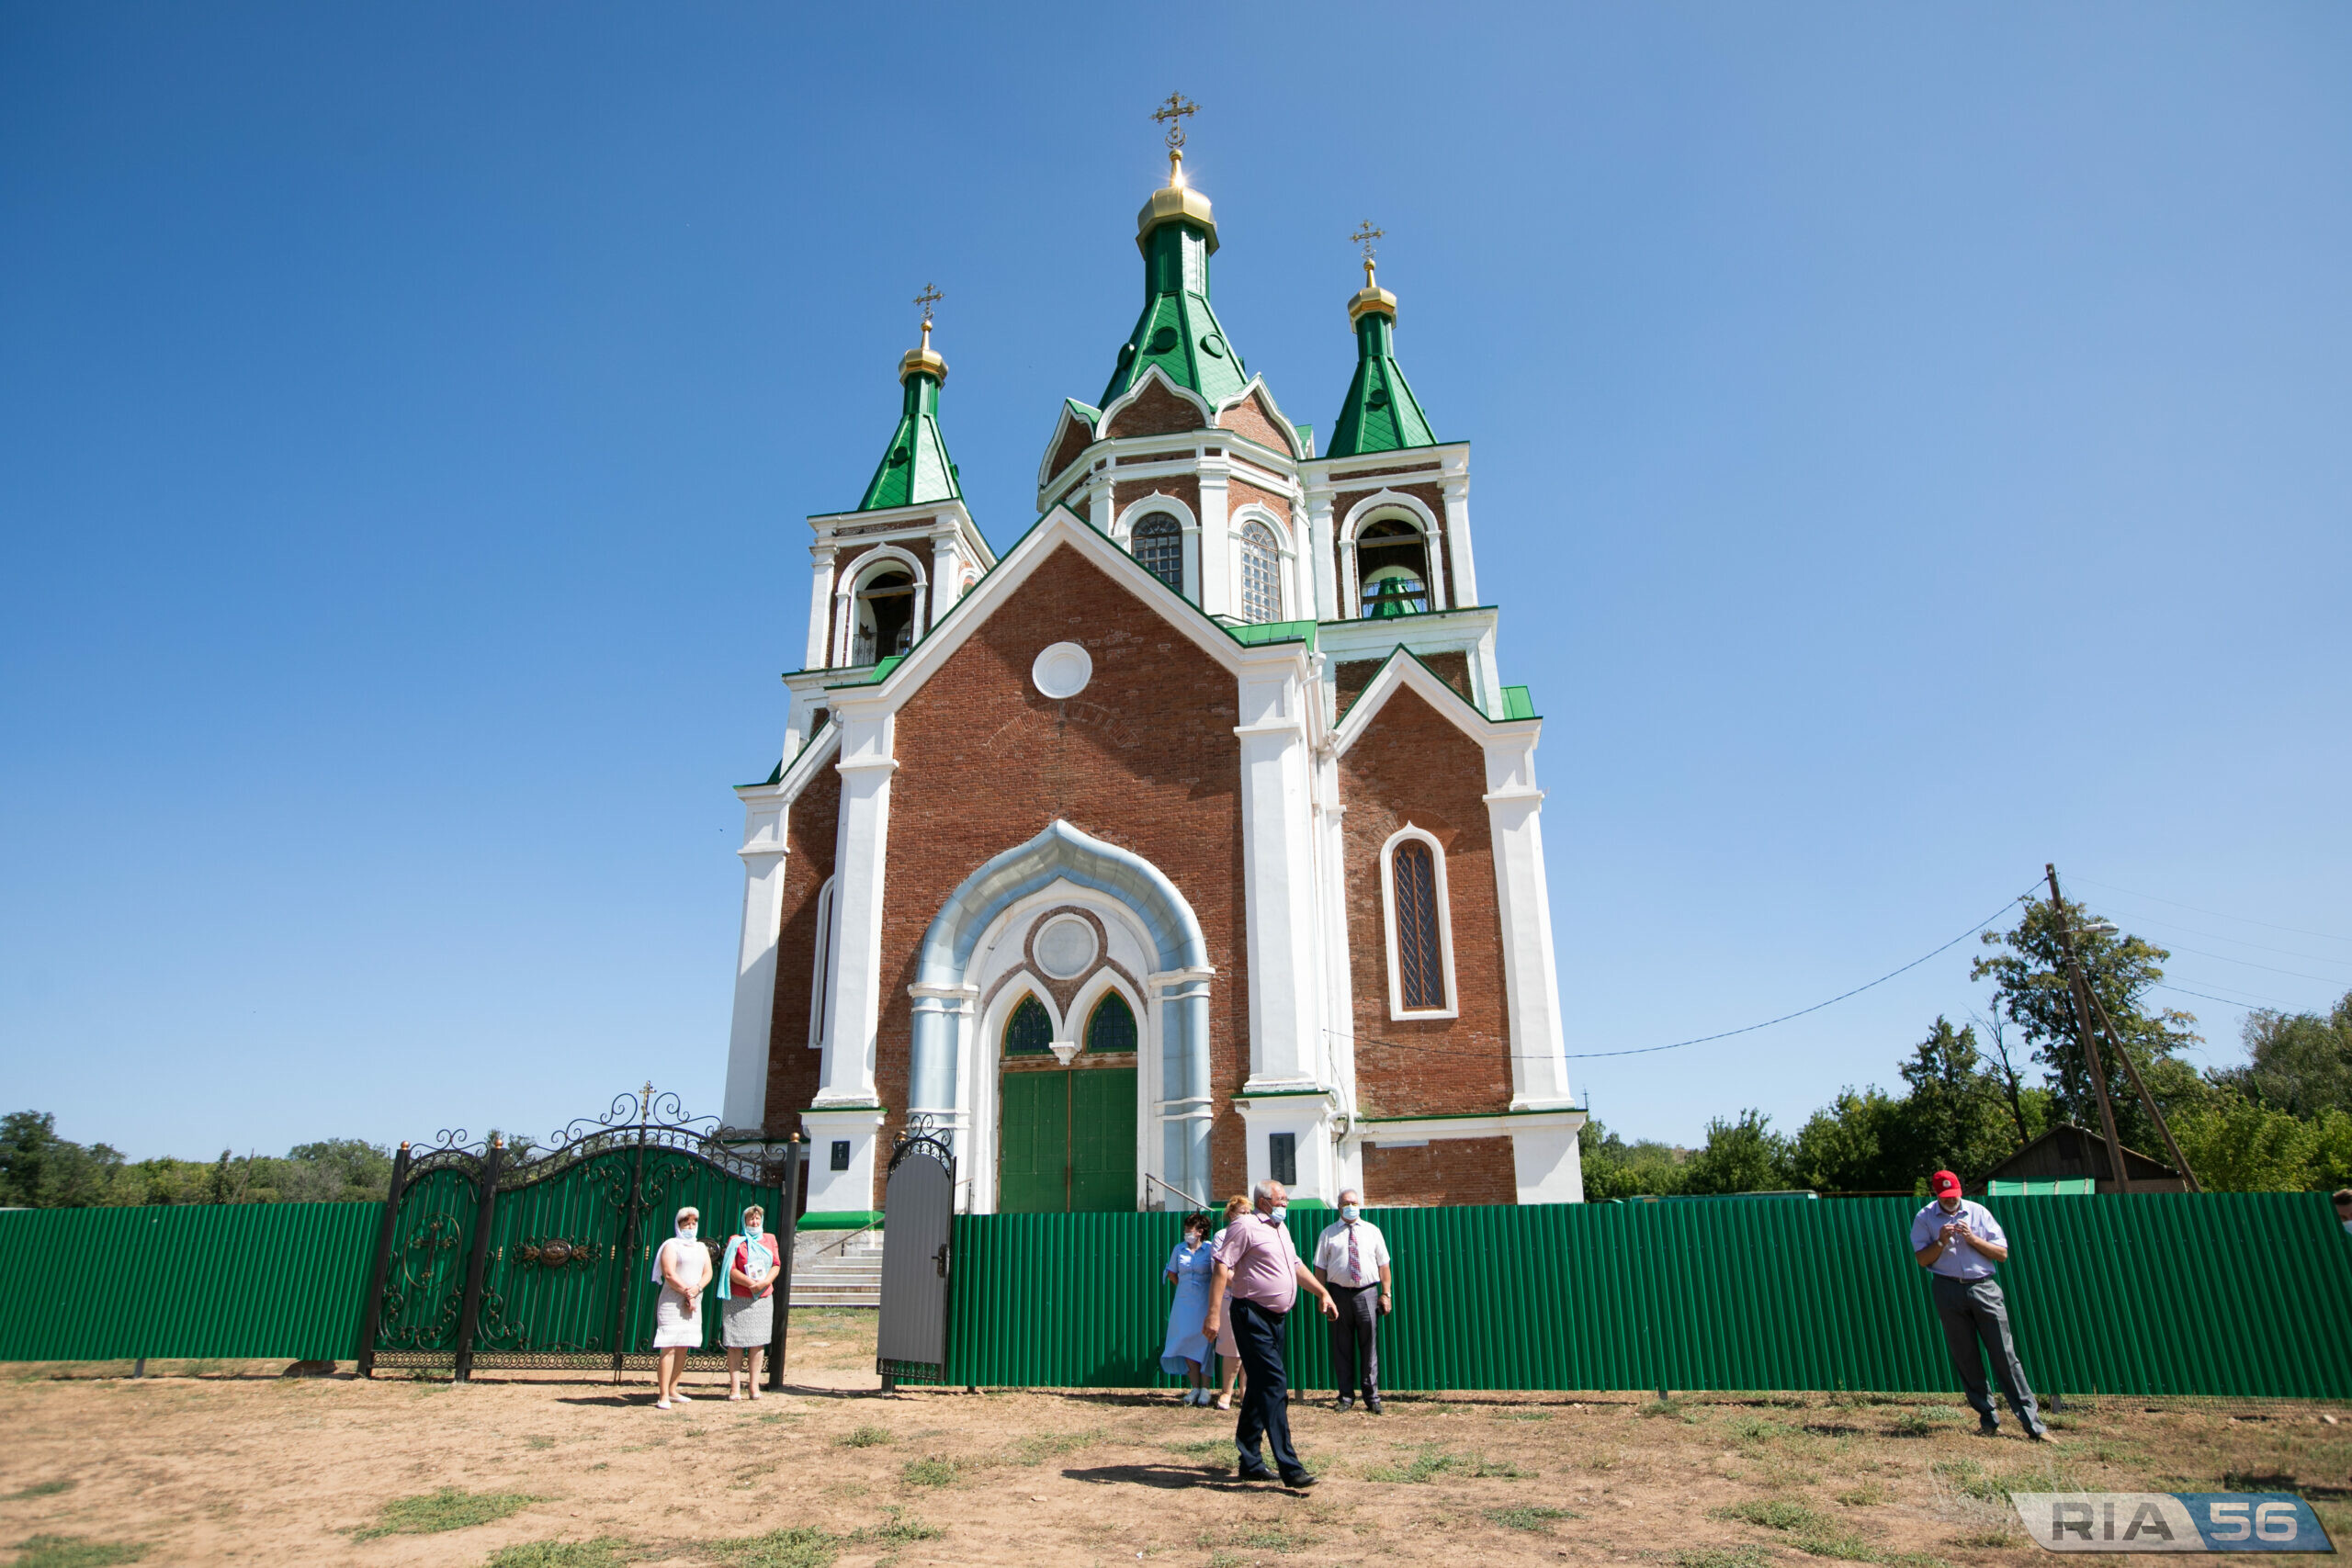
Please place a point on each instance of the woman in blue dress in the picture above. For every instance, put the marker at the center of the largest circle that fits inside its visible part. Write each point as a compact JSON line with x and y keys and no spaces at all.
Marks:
{"x":1187,"y":1349}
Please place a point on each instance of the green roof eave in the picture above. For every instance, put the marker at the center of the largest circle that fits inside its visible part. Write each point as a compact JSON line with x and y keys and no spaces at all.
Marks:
{"x":1517,"y":704}
{"x":1259,"y":634}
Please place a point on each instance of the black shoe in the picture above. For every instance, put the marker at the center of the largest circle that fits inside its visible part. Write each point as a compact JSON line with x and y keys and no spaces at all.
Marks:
{"x":1255,"y":1473}
{"x":1345,"y":1402}
{"x":1297,"y":1480}
{"x":1988,"y":1426}
{"x":1372,"y":1402}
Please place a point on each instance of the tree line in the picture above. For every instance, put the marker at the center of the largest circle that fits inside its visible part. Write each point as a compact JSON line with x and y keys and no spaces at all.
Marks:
{"x":1973,"y":1095}
{"x":40,"y":1170}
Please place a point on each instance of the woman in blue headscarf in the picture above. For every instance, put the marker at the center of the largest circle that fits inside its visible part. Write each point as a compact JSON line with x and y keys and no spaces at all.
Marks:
{"x":1186,"y":1350}
{"x":746,"y":1274}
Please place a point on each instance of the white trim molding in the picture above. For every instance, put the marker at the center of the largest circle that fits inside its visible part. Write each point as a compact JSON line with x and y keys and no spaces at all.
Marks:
{"x":1396,"y":1007}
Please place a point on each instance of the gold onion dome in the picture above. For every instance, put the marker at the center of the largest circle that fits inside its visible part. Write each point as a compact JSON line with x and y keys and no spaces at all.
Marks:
{"x":1175,"y":202}
{"x":923,"y":359}
{"x":1371,"y":297}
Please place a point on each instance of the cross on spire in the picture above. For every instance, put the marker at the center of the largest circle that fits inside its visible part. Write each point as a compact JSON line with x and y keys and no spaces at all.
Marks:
{"x":1172,"y":115}
{"x":929,"y":296}
{"x":1364,"y":235}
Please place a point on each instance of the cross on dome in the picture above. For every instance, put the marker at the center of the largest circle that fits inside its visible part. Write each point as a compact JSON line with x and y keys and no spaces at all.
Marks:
{"x":929,"y":296}
{"x":1364,"y":235}
{"x":1172,"y":114}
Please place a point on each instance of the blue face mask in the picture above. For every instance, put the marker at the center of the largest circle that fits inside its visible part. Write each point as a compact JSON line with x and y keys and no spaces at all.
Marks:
{"x":1350,"y":1212}
{"x":1274,"y":1215}
{"x":754,"y":1229}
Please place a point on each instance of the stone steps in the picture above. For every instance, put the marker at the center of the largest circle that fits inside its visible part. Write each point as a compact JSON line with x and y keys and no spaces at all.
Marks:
{"x":833,"y":1268}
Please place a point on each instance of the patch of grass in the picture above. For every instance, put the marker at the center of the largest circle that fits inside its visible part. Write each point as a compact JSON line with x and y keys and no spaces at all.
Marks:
{"x":865,"y":1436}
{"x":1772,"y":1513}
{"x":541,"y":1442}
{"x":1723,"y":1557}
{"x":73,"y":1552}
{"x":803,"y":1546}
{"x":1430,"y":1461}
{"x":1526,"y":1415}
{"x":1538,"y":1521}
{"x":607,"y":1552}
{"x":38,"y":1489}
{"x":1275,"y":1537}
{"x":928,"y":1471}
{"x":1862,"y":1498}
{"x":1037,"y":1449}
{"x":1987,"y":1537}
{"x":1911,"y":1423}
{"x":1201,"y":1448}
{"x":899,"y":1530}
{"x":451,"y":1509}
{"x":1753,"y":1428}
{"x":1666,"y":1406}
{"x":1849,"y":1548}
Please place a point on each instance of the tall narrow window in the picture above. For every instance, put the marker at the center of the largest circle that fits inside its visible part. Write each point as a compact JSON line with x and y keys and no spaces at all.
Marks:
{"x":1282,"y":1157}
{"x":885,"y":617}
{"x":1420,"y":954}
{"x":1028,"y":1033}
{"x":1159,"y":546}
{"x":1113,"y":1027}
{"x":1262,"y":575}
{"x":821,"y":983}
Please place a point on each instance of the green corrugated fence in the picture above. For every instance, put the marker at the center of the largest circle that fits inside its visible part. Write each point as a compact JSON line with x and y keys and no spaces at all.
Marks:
{"x":2227,"y":1293}
{"x":230,"y":1282}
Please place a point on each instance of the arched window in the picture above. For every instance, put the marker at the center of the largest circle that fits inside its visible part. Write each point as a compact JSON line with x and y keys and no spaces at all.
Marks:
{"x":1418,"y":918}
{"x":1160,"y":544}
{"x":1393,"y":568}
{"x":1113,"y":1027}
{"x":1262,"y":575}
{"x":885,"y":617}
{"x":821,"y":986}
{"x":1028,"y":1033}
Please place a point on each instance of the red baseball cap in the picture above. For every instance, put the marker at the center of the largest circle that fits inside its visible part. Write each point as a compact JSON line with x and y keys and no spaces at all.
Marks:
{"x":1943,"y":1181}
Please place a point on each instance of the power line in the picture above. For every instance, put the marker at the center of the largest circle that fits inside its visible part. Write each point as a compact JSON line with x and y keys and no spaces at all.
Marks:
{"x":2221,"y":914}
{"x":2322,"y":979}
{"x":1750,"y":1028}
{"x":2225,"y":1001}
{"x":2239,"y":941}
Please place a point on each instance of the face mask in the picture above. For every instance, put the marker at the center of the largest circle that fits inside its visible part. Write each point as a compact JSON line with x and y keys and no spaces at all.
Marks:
{"x":1277,"y":1211}
{"x":1350,"y":1212}
{"x":754,"y":1229}
{"x":686,"y":1233}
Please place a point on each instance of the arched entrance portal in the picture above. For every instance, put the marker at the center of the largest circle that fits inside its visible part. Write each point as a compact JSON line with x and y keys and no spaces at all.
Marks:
{"x":1061,"y":1030}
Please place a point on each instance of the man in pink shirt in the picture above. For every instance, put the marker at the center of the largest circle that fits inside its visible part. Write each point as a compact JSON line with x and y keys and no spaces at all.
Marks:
{"x":1260,"y":1266}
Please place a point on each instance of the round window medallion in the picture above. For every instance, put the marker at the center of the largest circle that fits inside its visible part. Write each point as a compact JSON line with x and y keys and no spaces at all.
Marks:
{"x":1062,"y":670}
{"x":1065,"y":948}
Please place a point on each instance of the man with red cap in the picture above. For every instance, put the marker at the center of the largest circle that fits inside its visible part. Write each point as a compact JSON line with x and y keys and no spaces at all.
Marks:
{"x":1960,"y":1243}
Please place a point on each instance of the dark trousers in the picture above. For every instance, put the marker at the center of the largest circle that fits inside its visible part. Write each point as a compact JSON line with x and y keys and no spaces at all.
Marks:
{"x":1356,"y":1330}
{"x":1976,"y":1324}
{"x":1265,"y":1413}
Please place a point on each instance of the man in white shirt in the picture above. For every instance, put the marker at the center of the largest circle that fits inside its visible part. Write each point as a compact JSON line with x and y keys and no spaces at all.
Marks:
{"x":1351,"y":1259}
{"x":1960,"y":1243}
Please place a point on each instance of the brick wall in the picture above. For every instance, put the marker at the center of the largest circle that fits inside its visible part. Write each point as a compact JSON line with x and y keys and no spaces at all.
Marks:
{"x":1442,"y":1171}
{"x":808,"y":840}
{"x":1144,"y":758}
{"x":1185,"y":488}
{"x":1239,"y":492}
{"x":1074,"y":440}
{"x":1411,"y":764}
{"x":1249,"y":418}
{"x":1353,"y":676}
{"x":1159,"y":411}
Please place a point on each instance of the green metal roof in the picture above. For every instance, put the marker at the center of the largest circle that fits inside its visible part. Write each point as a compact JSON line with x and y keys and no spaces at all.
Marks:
{"x":915,"y":467}
{"x":1381,"y":414}
{"x":1251,"y":635}
{"x":1178,"y":329}
{"x":1517,"y":704}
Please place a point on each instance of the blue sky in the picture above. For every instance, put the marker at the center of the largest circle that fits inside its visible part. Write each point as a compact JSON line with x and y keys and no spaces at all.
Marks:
{"x":1910,"y":446}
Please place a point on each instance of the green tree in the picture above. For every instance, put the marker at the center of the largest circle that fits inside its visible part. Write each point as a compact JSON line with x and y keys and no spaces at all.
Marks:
{"x":1614,"y":1168}
{"x":2031,"y":989}
{"x":2238,"y":1145}
{"x":1954,"y":1118}
{"x":1745,"y":1156}
{"x":2300,"y":1063}
{"x":1852,"y":1144}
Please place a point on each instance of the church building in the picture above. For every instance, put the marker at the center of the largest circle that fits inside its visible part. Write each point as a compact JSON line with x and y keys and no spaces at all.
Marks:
{"x":1194,"y":839}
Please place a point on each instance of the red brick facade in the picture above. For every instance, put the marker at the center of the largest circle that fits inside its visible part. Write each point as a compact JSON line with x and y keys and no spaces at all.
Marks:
{"x":1074,"y":440}
{"x":1443,"y":1172}
{"x":1413,"y":765}
{"x":1145,"y":759}
{"x":1158,"y":411}
{"x":809,"y":861}
{"x":1185,"y":488}
{"x":1250,"y":417}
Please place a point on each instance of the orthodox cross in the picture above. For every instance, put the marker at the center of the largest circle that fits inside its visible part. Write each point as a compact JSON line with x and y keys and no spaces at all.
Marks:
{"x":929,"y":296}
{"x":1172,"y":114}
{"x":1364,"y":235}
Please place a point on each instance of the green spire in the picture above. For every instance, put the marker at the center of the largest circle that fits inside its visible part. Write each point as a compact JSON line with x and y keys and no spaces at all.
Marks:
{"x":1178,"y":331}
{"x":1381,"y":414}
{"x":915,"y":467}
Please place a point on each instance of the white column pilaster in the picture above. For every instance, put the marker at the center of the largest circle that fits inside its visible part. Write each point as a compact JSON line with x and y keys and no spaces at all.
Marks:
{"x":1278,"y":880}
{"x":1457,"y":532}
{"x":821,"y":605}
{"x":744,"y":1104}
{"x":1218,"y":594}
{"x":846,"y":1077}
{"x":946,"y":571}
{"x":1316,"y":509}
{"x":1530,"y":984}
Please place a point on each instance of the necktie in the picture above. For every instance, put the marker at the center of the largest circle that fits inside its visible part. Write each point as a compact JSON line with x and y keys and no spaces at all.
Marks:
{"x":1355,"y":1269}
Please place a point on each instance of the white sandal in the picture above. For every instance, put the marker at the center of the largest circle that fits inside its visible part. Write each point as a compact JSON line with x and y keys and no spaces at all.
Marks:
{"x":660,"y":1404}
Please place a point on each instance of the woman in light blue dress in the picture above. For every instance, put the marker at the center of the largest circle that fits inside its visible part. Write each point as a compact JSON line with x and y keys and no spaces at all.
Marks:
{"x":1187,"y":1349}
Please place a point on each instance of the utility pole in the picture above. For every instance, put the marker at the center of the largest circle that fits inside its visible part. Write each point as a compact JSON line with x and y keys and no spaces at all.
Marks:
{"x":2148,"y":1102}
{"x":2087,"y":1035}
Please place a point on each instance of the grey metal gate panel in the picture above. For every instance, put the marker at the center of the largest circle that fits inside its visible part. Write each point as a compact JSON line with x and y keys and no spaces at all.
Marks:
{"x":919,"y":1206}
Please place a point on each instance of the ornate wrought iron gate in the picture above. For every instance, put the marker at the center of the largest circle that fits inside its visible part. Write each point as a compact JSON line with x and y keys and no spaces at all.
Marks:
{"x":920,"y":1200}
{"x":542,"y":1257}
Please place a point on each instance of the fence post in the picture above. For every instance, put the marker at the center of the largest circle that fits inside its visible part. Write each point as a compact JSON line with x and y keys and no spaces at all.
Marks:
{"x":788,"y":1236}
{"x":470,"y":1314}
{"x":371,"y":1310}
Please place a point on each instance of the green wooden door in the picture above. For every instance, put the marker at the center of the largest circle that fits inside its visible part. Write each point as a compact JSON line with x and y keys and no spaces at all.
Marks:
{"x":1032,"y":1167}
{"x":1102,"y":1139}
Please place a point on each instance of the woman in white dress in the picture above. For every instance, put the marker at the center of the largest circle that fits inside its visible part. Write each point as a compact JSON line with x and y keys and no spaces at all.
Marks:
{"x":682,"y":1268}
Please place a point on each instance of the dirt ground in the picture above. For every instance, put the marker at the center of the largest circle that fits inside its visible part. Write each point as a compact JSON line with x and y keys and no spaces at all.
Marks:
{"x":230,"y":1464}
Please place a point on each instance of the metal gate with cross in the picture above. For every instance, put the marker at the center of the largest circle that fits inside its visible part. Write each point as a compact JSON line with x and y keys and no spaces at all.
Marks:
{"x":919,"y":1206}
{"x":492,"y":1257}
